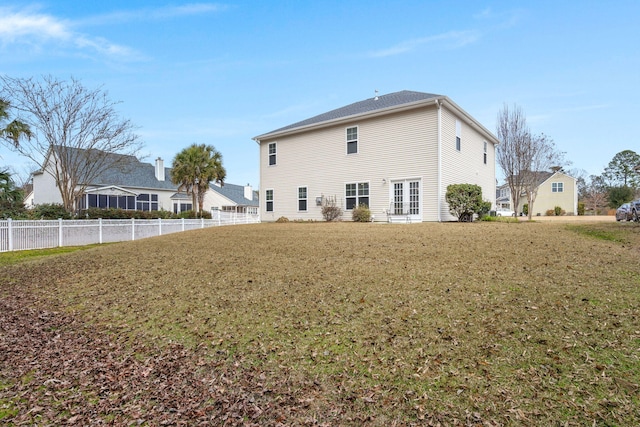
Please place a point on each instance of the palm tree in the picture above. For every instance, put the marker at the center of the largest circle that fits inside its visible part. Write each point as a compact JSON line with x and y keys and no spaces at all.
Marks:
{"x":14,"y":130}
{"x":194,"y":168}
{"x":9,"y":194}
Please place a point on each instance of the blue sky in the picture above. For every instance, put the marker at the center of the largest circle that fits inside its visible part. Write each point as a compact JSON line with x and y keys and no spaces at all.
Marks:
{"x":222,"y":73}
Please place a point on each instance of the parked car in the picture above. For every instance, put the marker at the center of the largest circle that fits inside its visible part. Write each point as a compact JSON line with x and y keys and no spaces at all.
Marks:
{"x":635,"y":210}
{"x":623,"y":213}
{"x":505,"y":212}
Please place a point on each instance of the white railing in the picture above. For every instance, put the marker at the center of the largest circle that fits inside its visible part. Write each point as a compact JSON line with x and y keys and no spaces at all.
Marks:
{"x":16,"y":235}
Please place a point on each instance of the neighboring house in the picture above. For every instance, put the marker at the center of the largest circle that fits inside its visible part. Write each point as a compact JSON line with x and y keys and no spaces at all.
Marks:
{"x":503,"y":197}
{"x":553,"y":189}
{"x":134,"y":185}
{"x":395,"y":153}
{"x":234,"y":198}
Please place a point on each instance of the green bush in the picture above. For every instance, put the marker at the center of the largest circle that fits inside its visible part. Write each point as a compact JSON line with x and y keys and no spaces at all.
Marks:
{"x":464,"y":200}
{"x":50,"y":211}
{"x":525,"y":209}
{"x":580,"y":208}
{"x":557,"y":211}
{"x":361,"y":213}
{"x":95,"y":213}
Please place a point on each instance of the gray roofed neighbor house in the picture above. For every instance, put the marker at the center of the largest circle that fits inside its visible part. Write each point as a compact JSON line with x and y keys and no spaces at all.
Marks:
{"x":235,"y":193}
{"x":367,"y":106}
{"x":133,"y":173}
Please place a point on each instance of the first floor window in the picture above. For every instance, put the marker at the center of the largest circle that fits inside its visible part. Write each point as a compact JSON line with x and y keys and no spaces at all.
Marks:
{"x":356,"y":194}
{"x":269,"y":199}
{"x":147,"y":202}
{"x":302,"y":198}
{"x":557,"y":187}
{"x":105,"y":201}
{"x":182,"y":207}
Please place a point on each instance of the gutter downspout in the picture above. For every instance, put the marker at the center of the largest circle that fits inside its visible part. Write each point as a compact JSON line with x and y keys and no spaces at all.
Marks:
{"x":439,"y":106}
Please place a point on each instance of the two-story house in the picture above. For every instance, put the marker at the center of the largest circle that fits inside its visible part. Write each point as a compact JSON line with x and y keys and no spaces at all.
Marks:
{"x":394,"y":153}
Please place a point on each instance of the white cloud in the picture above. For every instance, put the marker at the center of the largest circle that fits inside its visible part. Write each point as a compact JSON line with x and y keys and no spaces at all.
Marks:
{"x":160,"y":13}
{"x":40,"y":30}
{"x":449,"y":40}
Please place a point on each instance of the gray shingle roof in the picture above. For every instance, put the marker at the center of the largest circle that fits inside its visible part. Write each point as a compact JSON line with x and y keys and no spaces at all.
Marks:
{"x":368,"y":105}
{"x":235,"y":193}
{"x":131,"y":172}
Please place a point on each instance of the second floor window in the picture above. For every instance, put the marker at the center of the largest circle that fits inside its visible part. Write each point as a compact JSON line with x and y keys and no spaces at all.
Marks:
{"x":272,"y":153}
{"x":352,"y":140}
{"x":557,"y":187}
{"x":485,"y":152}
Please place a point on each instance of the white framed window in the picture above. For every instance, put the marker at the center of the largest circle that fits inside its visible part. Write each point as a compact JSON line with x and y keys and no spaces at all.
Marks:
{"x":352,"y":140}
{"x":356,"y":194}
{"x":302,"y":198}
{"x":458,"y":132}
{"x":147,"y":202}
{"x":272,"y":153}
{"x":557,"y":187}
{"x":485,"y":153}
{"x":268,"y":197}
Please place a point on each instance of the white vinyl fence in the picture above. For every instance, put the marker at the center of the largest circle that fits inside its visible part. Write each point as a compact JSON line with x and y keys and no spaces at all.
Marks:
{"x":22,"y":235}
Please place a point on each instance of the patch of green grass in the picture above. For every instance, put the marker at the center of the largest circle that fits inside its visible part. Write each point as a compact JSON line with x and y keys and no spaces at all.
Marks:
{"x":607,"y":232}
{"x":15,"y":257}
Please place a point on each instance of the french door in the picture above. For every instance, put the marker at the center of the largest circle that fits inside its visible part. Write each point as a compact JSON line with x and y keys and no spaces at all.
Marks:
{"x":406,"y":198}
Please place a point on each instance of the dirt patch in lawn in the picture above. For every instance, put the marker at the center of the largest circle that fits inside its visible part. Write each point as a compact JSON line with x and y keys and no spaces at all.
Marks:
{"x":330,"y":324}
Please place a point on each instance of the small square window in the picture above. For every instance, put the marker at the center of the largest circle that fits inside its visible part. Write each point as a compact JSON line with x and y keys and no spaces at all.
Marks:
{"x":557,"y":187}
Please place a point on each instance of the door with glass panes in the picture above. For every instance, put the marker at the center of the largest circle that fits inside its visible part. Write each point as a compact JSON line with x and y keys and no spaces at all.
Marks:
{"x":406,"y":198}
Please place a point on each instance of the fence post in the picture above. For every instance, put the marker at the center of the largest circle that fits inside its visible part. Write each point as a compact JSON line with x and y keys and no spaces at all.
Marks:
{"x":10,"y":233}
{"x":133,"y":229}
{"x":182,"y":224}
{"x":60,"y":232}
{"x":159,"y":226}
{"x":100,"y":230}
{"x":201,"y":222}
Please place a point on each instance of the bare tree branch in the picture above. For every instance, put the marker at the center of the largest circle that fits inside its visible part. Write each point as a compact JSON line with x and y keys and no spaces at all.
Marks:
{"x":76,"y":131}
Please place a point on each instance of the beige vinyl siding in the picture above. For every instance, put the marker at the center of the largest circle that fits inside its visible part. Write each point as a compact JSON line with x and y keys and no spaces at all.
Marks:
{"x":396,"y":146}
{"x":467,"y":165}
{"x":546,"y":199}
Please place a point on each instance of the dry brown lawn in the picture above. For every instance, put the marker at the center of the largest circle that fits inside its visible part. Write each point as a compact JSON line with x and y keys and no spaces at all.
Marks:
{"x":483,"y":324}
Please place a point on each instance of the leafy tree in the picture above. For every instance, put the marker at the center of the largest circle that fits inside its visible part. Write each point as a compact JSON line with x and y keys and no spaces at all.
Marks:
{"x":194,"y":168}
{"x":11,"y":198}
{"x":75,"y":131}
{"x":464,"y":200}
{"x":621,"y":170}
{"x":13,"y":131}
{"x":619,"y":195}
